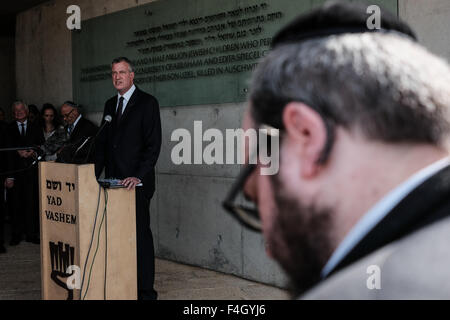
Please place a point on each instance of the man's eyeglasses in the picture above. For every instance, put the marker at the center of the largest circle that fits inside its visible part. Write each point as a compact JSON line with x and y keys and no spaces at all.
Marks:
{"x":67,"y":115}
{"x":247,"y":216}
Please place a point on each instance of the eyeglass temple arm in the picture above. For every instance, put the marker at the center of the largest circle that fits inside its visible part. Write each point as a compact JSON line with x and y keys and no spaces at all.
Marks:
{"x":238,"y":185}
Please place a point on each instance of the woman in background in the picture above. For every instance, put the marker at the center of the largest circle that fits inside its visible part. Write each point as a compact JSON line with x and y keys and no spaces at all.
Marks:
{"x":33,"y":114}
{"x":50,"y":123}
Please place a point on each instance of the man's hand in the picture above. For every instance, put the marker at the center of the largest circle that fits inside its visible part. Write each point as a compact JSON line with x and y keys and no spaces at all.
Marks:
{"x":30,"y":153}
{"x":21,"y":153}
{"x":130,"y":182}
{"x":9,"y":183}
{"x":26,"y":153}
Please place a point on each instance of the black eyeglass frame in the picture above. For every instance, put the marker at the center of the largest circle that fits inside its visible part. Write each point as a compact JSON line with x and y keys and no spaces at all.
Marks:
{"x":67,"y":115}
{"x":249,"y":217}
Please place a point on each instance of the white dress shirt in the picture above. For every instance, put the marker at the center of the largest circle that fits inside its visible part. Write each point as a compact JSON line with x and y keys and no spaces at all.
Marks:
{"x":379,"y":211}
{"x":126,"y":98}
{"x":19,"y":124}
{"x":76,"y":122}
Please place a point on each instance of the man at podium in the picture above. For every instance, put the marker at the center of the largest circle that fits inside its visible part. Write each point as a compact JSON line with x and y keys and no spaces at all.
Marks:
{"x":128,"y":149}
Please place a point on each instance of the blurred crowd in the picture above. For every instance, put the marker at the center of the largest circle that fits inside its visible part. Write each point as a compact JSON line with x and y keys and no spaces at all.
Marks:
{"x":29,"y":136}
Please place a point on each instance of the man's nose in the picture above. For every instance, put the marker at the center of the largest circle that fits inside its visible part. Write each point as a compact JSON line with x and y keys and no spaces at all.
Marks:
{"x":250,"y":191}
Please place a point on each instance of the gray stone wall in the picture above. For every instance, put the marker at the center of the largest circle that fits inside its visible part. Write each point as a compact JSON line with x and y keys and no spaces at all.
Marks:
{"x":8,"y":79}
{"x":431,"y":21}
{"x":44,"y":49}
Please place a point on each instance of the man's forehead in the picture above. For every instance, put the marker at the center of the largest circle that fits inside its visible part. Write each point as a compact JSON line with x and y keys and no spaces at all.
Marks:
{"x":66,"y":107}
{"x":120,"y":66}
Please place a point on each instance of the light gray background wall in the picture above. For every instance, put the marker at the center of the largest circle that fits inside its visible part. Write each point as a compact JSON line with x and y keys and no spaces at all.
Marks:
{"x":187,"y":220}
{"x":431,"y":21}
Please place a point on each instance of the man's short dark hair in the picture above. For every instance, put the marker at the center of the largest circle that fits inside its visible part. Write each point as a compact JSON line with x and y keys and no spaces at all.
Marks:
{"x":71,"y":104}
{"x":338,"y":17}
{"x":123,"y":59}
{"x":74,"y":105}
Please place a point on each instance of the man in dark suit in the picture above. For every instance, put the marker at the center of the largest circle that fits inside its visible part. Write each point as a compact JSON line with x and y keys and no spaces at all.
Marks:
{"x":128,"y":149}
{"x":78,"y":129}
{"x":3,"y":169}
{"x":24,"y":183}
{"x":363,"y":188}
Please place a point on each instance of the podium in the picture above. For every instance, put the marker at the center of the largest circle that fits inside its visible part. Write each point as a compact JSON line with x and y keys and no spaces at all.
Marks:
{"x":88,"y":236}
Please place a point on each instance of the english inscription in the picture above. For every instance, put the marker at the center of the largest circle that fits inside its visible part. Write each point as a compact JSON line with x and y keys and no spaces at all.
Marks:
{"x":185,"y":52}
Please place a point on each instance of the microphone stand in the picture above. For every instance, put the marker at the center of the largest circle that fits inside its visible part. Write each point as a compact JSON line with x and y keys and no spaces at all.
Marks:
{"x":38,"y":158}
{"x":19,"y":149}
{"x":107,"y":119}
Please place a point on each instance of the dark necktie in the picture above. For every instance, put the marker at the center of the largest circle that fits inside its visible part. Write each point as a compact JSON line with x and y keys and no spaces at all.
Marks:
{"x":70,"y":129}
{"x":119,"y":110}
{"x":22,"y":132}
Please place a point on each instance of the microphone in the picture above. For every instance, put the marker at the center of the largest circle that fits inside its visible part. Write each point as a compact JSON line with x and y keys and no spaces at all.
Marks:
{"x":80,"y":147}
{"x":39,"y":158}
{"x":107,"y":119}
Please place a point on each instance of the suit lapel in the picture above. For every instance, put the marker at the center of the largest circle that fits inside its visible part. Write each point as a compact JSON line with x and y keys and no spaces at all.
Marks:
{"x":426,"y":204}
{"x":75,"y":131}
{"x":113,"y":107}
{"x":130,"y":105}
{"x":22,"y":139}
{"x":29,"y":132}
{"x":17,"y":131}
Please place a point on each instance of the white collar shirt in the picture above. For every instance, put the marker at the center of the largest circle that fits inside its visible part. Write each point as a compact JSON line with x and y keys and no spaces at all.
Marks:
{"x":126,"y":98}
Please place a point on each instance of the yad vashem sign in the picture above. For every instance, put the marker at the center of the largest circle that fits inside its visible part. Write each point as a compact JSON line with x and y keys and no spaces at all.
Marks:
{"x":185,"y":52}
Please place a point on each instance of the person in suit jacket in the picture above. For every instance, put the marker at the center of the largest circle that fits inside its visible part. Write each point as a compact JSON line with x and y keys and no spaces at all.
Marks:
{"x":24,"y":182}
{"x":128,"y":149}
{"x":3,"y":169}
{"x":360,"y":206}
{"x":77,"y":130}
{"x":405,"y":256}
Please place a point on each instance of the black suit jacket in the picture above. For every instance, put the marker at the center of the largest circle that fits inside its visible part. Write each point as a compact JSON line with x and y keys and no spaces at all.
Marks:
{"x":131,"y":148}
{"x":34,"y":137}
{"x":81,"y":132}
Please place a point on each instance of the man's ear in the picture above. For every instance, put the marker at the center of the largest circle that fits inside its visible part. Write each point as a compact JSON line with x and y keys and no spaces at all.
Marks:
{"x":307,"y":135}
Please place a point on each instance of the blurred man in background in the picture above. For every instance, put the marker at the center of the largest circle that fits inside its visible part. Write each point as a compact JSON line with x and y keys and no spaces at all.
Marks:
{"x":363,"y":190}
{"x":23,"y":183}
{"x":78,"y":130}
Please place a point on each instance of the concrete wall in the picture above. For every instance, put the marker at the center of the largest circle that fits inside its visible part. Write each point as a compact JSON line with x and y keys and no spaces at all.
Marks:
{"x":431,"y":21}
{"x":187,"y":220}
{"x":44,"y":51}
{"x":8,"y":79}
